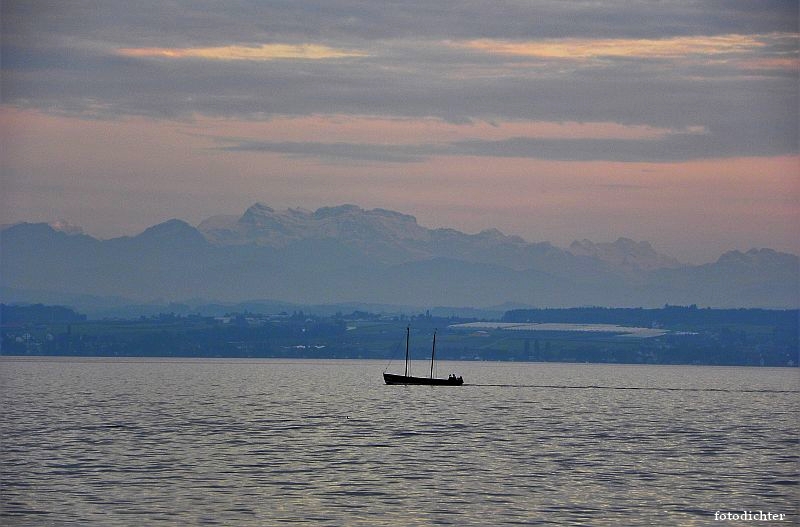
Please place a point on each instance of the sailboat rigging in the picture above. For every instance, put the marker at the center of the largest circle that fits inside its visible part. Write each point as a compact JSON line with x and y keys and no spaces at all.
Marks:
{"x":392,"y":378}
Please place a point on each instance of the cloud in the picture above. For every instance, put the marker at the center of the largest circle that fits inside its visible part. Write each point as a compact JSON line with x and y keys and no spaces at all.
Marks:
{"x":357,"y":128}
{"x":598,"y":48}
{"x":636,"y":64}
{"x":190,"y":23}
{"x":710,"y":55}
{"x":257,"y":53}
{"x":336,"y":151}
{"x":690,"y":144}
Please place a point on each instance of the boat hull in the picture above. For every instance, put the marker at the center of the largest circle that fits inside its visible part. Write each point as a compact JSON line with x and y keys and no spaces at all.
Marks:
{"x":391,"y":378}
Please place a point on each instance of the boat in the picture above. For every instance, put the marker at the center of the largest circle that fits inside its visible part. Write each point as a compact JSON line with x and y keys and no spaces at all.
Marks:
{"x":393,"y":378}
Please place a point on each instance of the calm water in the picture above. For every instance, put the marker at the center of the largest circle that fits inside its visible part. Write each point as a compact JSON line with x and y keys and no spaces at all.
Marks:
{"x":262,"y":442}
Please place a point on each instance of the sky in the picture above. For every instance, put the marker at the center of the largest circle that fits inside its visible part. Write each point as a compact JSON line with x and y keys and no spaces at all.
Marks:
{"x":672,"y":122}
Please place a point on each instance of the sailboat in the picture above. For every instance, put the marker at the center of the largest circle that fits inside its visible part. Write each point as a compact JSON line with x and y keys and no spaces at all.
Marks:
{"x":392,"y":378}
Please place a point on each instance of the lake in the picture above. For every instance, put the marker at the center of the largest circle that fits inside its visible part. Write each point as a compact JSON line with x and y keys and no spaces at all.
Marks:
{"x":264,"y":442}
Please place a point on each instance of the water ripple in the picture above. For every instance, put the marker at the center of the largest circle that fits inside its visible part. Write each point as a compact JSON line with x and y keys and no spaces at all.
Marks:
{"x":325,"y":443}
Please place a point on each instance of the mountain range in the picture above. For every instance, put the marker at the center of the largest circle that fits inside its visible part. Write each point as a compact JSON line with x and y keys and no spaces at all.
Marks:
{"x":348,"y":254}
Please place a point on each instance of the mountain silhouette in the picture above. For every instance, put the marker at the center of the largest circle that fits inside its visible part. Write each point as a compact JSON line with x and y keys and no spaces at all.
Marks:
{"x":348,"y":254}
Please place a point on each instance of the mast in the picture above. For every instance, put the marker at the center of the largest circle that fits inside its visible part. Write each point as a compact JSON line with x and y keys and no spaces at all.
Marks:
{"x":408,"y":333}
{"x":433,"y":351}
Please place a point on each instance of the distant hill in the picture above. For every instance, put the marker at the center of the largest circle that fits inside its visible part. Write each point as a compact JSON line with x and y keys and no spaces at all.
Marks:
{"x":348,"y":254}
{"x":37,"y":314}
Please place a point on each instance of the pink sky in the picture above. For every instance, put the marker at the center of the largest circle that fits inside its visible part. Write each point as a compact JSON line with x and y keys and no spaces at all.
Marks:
{"x":117,"y":177}
{"x":674,"y":123}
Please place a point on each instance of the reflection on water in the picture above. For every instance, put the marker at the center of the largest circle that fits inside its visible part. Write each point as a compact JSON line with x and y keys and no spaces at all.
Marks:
{"x":138,"y":442}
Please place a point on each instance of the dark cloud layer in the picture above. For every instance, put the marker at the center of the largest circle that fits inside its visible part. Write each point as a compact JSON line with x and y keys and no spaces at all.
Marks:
{"x":674,"y":147}
{"x":158,"y":23}
{"x":64,"y":57}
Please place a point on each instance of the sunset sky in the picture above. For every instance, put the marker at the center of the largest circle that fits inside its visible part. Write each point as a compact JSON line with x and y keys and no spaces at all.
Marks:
{"x":672,"y":122}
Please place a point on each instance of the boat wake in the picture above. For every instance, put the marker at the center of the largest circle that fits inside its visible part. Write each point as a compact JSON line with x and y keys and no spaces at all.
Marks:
{"x":644,"y":388}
